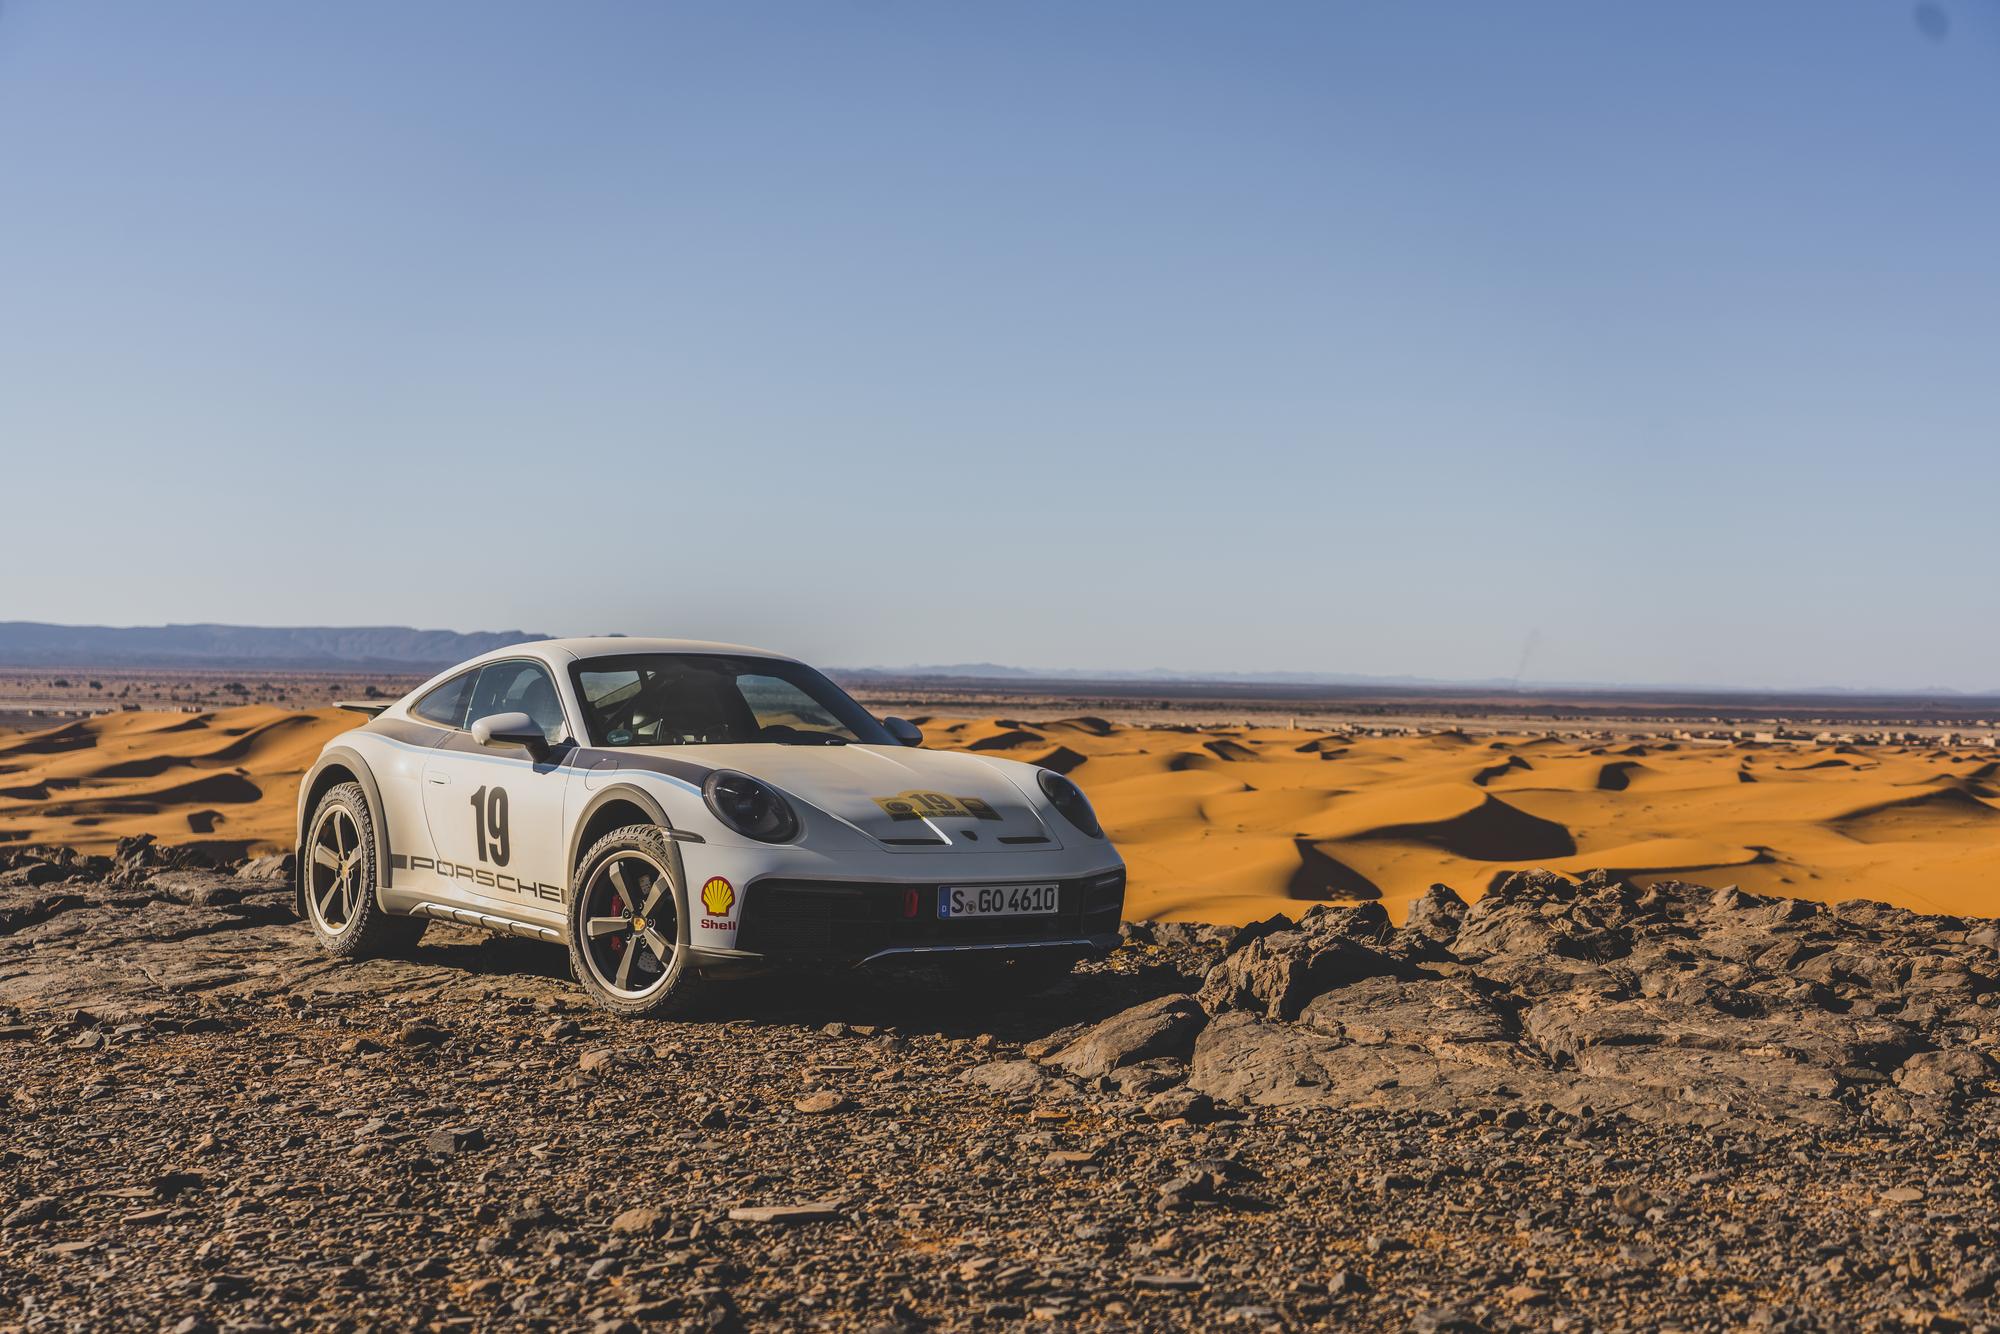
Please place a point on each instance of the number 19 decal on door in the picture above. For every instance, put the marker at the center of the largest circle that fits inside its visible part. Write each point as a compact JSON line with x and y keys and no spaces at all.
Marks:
{"x":489,"y":823}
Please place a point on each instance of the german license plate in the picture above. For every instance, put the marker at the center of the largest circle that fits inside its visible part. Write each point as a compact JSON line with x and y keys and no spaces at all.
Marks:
{"x":996,"y":900}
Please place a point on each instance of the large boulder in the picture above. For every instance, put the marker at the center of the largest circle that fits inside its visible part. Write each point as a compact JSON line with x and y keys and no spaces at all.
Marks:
{"x":1950,"y":1073}
{"x":1436,"y":914}
{"x":1855,"y":968}
{"x":201,"y":888}
{"x":1672,"y":1060}
{"x":1366,"y":922}
{"x":1164,"y":1027}
{"x":271,"y":866}
{"x":1450,"y":1018}
{"x":32,"y":875}
{"x":1241,"y":1058}
{"x":1535,"y":914}
{"x":1276,"y":975}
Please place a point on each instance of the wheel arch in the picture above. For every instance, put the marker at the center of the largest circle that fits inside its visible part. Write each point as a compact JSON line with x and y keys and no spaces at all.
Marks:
{"x":334,"y":767}
{"x":614,"y":807}
{"x":610,"y":808}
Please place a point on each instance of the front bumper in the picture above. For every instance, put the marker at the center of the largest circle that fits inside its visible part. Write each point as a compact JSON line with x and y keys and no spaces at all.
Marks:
{"x":857,"y":922}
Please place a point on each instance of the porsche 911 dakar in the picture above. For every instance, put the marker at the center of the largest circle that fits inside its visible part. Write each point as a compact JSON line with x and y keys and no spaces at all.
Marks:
{"x":669,"y":809}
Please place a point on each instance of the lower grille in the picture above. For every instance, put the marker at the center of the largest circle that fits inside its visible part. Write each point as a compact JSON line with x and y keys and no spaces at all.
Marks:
{"x":841,"y":920}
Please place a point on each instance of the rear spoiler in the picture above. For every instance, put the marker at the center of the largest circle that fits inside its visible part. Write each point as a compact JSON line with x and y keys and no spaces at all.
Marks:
{"x":371,"y":707}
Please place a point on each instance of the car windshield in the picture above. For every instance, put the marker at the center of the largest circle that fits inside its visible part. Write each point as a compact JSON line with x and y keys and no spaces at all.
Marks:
{"x":693,"y":699}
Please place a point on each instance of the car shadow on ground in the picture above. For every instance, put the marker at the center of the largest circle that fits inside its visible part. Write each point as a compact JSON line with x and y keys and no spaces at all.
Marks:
{"x":908,"y":1000}
{"x":478,"y":954}
{"x":920,"y":1002}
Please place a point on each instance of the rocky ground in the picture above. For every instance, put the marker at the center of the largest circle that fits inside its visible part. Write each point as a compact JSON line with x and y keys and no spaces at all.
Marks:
{"x":1568,"y":1107}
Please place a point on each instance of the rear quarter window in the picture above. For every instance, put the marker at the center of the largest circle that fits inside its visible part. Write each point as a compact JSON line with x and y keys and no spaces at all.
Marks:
{"x":446,"y":703}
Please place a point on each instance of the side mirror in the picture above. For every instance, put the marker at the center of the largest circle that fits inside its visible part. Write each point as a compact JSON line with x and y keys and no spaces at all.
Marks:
{"x":904,"y":731}
{"x":511,"y":729}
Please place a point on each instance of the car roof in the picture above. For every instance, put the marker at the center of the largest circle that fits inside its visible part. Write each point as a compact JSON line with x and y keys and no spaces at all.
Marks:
{"x":557,"y":652}
{"x":601,"y":646}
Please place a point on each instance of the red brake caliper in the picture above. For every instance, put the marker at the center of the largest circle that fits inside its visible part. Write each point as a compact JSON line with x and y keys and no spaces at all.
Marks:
{"x":617,"y":907}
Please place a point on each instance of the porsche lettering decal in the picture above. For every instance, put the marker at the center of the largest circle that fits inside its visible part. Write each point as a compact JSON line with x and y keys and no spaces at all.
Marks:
{"x":478,"y":875}
{"x":935,"y":806}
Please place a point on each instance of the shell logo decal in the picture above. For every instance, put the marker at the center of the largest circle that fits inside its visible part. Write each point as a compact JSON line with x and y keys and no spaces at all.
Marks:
{"x":718,"y":896}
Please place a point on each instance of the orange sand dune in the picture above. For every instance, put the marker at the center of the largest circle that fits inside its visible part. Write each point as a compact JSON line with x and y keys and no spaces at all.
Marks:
{"x":1233,"y":824}
{"x":1227,"y":824}
{"x":224,"y":780}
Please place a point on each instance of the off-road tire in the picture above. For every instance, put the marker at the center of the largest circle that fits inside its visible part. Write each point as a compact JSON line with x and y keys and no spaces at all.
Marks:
{"x":365,"y":930}
{"x":664,"y":995}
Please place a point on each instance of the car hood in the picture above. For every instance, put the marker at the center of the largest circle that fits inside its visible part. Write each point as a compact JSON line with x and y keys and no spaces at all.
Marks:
{"x":901,"y":797}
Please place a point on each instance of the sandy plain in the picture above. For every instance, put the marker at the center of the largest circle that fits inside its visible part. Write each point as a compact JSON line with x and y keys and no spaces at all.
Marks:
{"x":1225,"y":823}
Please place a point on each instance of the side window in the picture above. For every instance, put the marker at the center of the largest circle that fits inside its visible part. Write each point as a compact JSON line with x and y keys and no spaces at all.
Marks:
{"x":446,"y":703}
{"x":518,"y":687}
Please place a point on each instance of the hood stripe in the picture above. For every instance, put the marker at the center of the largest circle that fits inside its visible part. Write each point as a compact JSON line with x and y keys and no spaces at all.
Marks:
{"x":685,"y":770}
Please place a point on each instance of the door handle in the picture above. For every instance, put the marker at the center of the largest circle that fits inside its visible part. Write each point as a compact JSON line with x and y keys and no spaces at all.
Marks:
{"x":437,"y":776}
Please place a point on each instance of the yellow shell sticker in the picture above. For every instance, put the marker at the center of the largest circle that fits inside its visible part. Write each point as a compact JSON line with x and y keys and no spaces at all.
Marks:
{"x":935,"y":806}
{"x":718,"y":896}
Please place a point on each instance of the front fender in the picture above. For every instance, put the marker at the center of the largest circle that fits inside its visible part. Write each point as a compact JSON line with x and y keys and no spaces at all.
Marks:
{"x":632,"y":794}
{"x":349,"y":759}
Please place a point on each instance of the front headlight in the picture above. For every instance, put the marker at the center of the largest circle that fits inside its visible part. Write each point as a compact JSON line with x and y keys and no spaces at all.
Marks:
{"x":1068,"y":798}
{"x":751,"y":807}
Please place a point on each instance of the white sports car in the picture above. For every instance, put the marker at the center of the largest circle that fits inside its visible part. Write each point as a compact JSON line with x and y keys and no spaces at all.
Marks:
{"x":667,"y":808}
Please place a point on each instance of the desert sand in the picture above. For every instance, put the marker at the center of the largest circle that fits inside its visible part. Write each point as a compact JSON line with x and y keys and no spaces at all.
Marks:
{"x":226,"y":780}
{"x":1225,"y":824}
{"x":1234,"y":824}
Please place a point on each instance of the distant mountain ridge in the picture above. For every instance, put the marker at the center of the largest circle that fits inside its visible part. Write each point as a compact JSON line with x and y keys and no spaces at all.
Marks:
{"x":999,"y":674}
{"x":354,"y":647}
{"x":993,"y":671}
{"x":404,"y":649}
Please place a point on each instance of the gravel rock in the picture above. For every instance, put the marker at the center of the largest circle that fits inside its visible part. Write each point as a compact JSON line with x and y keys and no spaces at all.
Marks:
{"x":638,"y":1222}
{"x":1013,"y":1079}
{"x":784,"y":1214}
{"x":1588,"y":1105}
{"x":823,"y":1103}
{"x":464,"y":1139}
{"x":1180,"y":1105}
{"x":37,"y":1210}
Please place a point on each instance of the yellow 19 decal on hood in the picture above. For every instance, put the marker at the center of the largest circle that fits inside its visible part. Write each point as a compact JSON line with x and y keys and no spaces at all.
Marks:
{"x":718,"y":896}
{"x":935,"y":806}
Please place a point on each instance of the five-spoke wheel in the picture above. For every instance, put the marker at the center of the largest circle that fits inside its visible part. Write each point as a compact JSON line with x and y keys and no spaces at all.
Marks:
{"x":629,"y":923}
{"x":338,"y":878}
{"x":627,"y":931}
{"x":334,"y":885}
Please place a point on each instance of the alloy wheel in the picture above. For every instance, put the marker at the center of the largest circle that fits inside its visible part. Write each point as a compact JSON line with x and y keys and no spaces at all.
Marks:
{"x":334,"y":889}
{"x":630,"y":925}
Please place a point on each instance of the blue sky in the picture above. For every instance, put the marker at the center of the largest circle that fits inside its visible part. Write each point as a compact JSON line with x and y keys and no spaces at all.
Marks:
{"x":1642,"y":343}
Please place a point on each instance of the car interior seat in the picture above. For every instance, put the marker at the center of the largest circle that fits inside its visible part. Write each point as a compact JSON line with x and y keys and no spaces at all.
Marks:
{"x":537,"y":699}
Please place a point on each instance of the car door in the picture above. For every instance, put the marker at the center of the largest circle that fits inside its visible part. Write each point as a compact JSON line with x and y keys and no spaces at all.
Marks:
{"x":495,"y":813}
{"x":413,"y":864}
